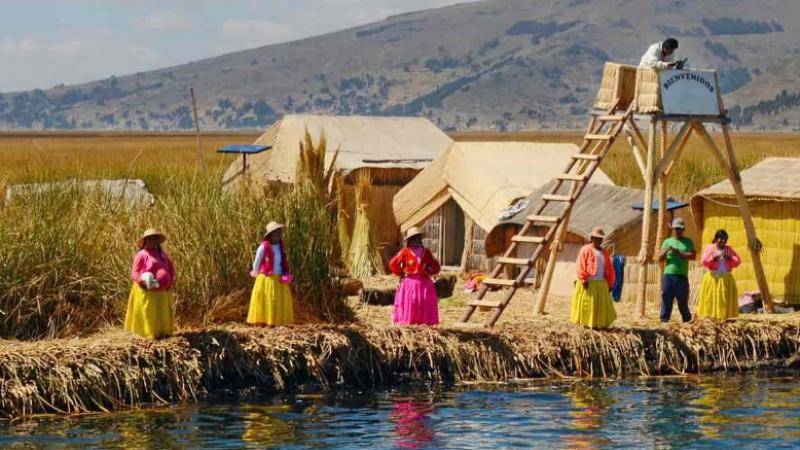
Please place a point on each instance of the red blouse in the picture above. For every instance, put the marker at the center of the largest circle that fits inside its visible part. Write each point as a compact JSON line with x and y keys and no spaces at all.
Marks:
{"x":406,"y":262}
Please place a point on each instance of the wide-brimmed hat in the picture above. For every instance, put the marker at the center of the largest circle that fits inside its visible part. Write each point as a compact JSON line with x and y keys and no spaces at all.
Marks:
{"x":413,"y":231}
{"x":679,"y":224}
{"x":151,"y":232}
{"x":598,"y":232}
{"x":272,"y":227}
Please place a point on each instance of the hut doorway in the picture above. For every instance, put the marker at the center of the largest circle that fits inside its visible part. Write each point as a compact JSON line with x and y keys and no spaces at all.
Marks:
{"x":453,"y":233}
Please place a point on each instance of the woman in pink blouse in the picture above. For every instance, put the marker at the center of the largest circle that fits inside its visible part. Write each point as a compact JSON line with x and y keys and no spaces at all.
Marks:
{"x":150,"y":302}
{"x":718,"y":294}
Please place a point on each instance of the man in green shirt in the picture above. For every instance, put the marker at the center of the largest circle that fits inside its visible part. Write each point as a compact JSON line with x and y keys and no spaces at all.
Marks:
{"x":676,"y":252}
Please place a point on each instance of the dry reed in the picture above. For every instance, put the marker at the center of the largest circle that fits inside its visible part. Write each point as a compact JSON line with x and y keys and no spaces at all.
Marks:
{"x":365,"y":259}
{"x":115,"y":370}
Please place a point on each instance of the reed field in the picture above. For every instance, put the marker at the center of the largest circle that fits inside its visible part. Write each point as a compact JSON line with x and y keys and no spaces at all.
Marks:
{"x":65,"y":254}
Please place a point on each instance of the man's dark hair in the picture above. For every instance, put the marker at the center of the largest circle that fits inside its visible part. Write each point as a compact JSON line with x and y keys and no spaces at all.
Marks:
{"x":670,"y":43}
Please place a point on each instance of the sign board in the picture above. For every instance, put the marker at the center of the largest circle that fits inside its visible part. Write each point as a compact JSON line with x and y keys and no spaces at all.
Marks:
{"x":689,"y":92}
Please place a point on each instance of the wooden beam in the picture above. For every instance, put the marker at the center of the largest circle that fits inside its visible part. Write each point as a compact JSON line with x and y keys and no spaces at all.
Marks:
{"x":637,"y":154}
{"x":200,"y":157}
{"x":667,"y":154}
{"x":644,"y":253}
{"x":732,"y":170}
{"x":703,"y":119}
{"x":681,"y":150}
{"x":637,"y":134}
{"x":661,"y":179}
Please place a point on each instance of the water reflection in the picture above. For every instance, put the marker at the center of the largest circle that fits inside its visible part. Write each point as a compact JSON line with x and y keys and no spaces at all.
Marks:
{"x":590,"y":404}
{"x":412,"y":425}
{"x":744,"y":411}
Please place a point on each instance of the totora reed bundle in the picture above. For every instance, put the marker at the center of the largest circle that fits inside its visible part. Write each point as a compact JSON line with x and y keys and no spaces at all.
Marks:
{"x":365,"y":258}
{"x":115,"y":370}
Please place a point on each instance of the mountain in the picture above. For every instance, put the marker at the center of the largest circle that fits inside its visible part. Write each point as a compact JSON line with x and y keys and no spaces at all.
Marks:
{"x":501,"y":64}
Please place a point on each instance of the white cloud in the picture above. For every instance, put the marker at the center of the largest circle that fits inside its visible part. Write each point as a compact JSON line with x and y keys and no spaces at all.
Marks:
{"x":22,"y":48}
{"x":66,"y":48}
{"x":163,"y":20}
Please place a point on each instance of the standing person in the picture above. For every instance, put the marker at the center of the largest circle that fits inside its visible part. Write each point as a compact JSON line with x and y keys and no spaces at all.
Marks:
{"x":719,"y":298}
{"x":271,"y":299}
{"x":149,"y":311}
{"x":592,"y":305}
{"x":660,"y":55}
{"x":415,"y":302}
{"x":676,"y":252}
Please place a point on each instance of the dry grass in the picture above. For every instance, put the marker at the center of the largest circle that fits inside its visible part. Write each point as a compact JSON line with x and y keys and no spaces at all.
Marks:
{"x":117,"y":370}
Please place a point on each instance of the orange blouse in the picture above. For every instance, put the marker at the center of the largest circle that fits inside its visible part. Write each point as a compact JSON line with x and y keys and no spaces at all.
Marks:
{"x":406,"y":262}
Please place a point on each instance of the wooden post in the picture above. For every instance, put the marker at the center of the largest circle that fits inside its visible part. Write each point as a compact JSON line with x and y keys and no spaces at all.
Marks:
{"x":200,"y":159}
{"x":644,"y":254}
{"x":661,"y":227}
{"x":555,"y":249}
{"x":469,"y":237}
{"x":732,"y":170}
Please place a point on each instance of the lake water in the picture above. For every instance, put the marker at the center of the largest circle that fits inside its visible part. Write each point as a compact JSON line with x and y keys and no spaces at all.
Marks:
{"x":721,"y":412}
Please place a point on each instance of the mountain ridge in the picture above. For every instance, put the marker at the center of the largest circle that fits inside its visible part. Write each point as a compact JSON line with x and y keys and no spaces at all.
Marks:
{"x":488,"y":65}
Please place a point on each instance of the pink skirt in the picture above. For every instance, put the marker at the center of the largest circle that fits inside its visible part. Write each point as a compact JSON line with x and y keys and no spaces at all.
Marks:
{"x":415,"y":302}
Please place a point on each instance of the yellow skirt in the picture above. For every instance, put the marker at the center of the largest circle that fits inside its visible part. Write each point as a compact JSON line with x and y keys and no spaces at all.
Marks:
{"x":270,"y":302}
{"x":719,"y":298}
{"x":149,"y":313}
{"x":592,"y":307}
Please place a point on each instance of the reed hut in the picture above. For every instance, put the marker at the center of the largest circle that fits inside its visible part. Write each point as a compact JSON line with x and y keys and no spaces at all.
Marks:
{"x":612,"y":207}
{"x":459,"y":198}
{"x":772,"y":188}
{"x":393,"y":150}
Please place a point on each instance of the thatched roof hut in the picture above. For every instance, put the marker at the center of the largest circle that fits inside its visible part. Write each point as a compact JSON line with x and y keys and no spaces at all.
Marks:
{"x":458,"y":199}
{"x":392,"y":149}
{"x":772,"y":188}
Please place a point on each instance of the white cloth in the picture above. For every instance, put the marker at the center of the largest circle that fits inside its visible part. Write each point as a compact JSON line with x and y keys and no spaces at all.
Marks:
{"x":277,"y":260}
{"x":652,"y":58}
{"x":149,"y":280}
{"x":601,"y":266}
{"x":722,"y":266}
{"x":260,"y":252}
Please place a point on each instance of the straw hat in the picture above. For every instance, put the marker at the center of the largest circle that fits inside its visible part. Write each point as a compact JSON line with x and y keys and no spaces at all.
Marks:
{"x":272,"y":227}
{"x":413,"y":231}
{"x":151,"y":232}
{"x":597,"y":232}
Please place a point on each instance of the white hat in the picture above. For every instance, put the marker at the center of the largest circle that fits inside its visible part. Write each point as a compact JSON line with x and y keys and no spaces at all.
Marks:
{"x":597,"y":232}
{"x":272,"y":227}
{"x":678,"y":223}
{"x":413,"y":231}
{"x":151,"y":232}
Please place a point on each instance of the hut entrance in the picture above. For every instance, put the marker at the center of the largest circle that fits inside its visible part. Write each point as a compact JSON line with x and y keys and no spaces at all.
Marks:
{"x":453,"y":233}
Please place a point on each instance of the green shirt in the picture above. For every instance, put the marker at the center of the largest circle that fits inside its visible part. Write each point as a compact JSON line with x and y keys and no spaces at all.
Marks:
{"x":676,"y":264}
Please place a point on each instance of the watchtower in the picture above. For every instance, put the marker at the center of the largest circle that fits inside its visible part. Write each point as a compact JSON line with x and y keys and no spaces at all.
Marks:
{"x":690,"y":98}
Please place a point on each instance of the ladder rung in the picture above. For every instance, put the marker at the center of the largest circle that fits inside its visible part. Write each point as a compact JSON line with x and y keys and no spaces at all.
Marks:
{"x":547,"y":219}
{"x":485,"y":303}
{"x":598,"y":137}
{"x":586,"y":156}
{"x":556,"y":198}
{"x":499,"y":282}
{"x":514,"y":261}
{"x":572,"y":177}
{"x":610,"y":118}
{"x":527,"y":239}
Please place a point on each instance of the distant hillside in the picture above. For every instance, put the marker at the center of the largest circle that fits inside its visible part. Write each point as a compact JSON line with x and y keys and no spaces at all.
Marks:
{"x":502,"y":64}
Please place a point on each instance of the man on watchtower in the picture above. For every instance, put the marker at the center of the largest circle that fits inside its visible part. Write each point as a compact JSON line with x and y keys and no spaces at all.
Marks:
{"x":660,"y":55}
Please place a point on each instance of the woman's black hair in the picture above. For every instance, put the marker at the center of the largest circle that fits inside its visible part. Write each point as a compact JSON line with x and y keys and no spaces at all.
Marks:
{"x":720,"y":234}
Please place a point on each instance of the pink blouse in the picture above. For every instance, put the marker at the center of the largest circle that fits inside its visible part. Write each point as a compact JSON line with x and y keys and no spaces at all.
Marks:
{"x":711,"y":262}
{"x":158,"y":263}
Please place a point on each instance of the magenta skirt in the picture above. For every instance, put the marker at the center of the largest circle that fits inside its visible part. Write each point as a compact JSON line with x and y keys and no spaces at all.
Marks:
{"x":415,"y":302}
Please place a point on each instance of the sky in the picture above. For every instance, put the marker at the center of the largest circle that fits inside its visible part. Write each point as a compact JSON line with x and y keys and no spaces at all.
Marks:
{"x":44,"y":43}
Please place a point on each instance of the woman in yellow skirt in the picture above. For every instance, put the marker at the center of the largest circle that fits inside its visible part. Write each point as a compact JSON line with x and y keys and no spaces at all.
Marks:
{"x":592,"y":305}
{"x":271,"y":300}
{"x":719,"y":298}
{"x":150,"y":302}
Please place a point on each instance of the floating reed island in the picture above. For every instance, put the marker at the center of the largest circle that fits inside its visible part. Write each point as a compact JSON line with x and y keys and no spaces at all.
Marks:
{"x":114,"y":370}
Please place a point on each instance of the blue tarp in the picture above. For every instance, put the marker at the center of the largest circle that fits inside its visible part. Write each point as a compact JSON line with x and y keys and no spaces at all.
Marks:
{"x":243,"y":149}
{"x":671,"y":205}
{"x":619,"y":269}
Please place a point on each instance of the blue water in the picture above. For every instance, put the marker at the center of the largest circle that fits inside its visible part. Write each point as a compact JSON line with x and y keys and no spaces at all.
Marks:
{"x":720,"y":412}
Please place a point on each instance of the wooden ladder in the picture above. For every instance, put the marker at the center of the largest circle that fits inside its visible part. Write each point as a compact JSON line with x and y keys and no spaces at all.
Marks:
{"x":582,"y":165}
